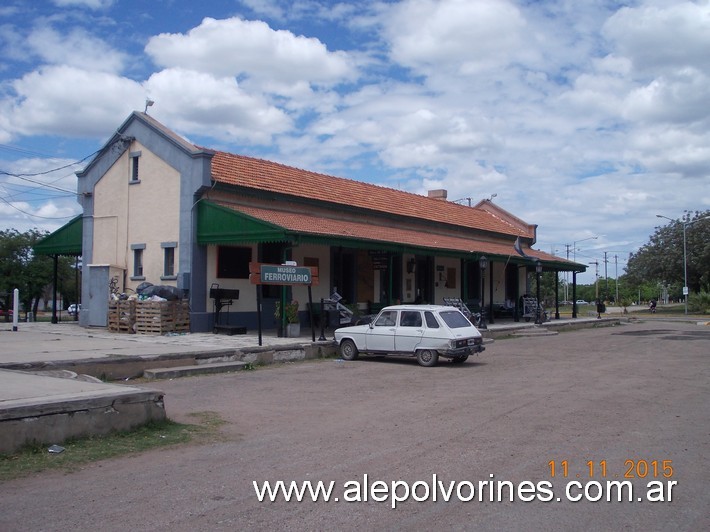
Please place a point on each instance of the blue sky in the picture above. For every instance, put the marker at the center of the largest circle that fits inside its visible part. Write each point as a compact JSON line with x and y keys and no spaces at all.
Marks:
{"x":586,"y":118}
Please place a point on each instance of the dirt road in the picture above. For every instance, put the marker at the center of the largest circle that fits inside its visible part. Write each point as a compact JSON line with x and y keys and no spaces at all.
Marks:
{"x":633,"y":400}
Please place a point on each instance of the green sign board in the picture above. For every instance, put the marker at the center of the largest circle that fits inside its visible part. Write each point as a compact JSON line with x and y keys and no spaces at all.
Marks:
{"x":270,"y":274}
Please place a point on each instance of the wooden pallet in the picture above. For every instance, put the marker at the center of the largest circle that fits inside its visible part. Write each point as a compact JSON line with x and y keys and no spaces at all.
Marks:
{"x":161,"y":317}
{"x":121,"y":316}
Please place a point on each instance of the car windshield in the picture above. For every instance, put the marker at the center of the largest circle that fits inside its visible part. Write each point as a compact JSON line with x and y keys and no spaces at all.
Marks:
{"x":454,"y":319}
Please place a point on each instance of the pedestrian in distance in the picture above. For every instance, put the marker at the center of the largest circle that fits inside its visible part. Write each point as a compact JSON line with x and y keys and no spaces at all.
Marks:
{"x":601,"y":308}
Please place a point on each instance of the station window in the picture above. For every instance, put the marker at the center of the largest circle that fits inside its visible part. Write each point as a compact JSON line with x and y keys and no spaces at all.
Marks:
{"x":135,"y":158}
{"x":168,"y":260}
{"x":137,"y":260}
{"x":233,"y":262}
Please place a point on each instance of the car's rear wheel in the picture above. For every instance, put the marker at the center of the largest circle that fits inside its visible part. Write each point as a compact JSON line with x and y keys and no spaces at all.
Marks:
{"x":427,"y":358}
{"x":348,"y":350}
{"x":460,"y":360}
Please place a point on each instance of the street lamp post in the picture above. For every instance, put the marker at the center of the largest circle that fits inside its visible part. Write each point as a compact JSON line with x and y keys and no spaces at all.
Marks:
{"x":685,"y":255}
{"x":574,"y":259}
{"x":538,"y":272}
{"x":574,"y":246}
{"x":483,"y":264}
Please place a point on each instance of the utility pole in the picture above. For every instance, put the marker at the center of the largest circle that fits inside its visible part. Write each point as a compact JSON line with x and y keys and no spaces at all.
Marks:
{"x":566,"y":275}
{"x":596,"y":279}
{"x":616,"y":277}
{"x":606,"y":276}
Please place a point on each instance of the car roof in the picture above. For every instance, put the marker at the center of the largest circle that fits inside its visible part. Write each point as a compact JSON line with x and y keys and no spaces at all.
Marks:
{"x":420,"y":307}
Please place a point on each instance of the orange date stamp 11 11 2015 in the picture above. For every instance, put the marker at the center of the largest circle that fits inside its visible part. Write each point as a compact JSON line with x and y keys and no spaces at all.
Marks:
{"x":629,"y":469}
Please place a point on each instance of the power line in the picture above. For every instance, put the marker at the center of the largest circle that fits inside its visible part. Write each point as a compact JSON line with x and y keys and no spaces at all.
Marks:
{"x":49,"y":171}
{"x":23,"y":150}
{"x":36,"y":215}
{"x":46,"y":185}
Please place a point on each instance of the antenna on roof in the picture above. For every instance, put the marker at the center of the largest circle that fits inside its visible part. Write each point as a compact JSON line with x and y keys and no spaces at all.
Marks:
{"x":148,"y":103}
{"x":463,"y":199}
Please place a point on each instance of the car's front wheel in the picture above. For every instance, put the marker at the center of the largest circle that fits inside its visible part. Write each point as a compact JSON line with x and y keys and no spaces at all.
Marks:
{"x":348,"y":350}
{"x":427,"y":358}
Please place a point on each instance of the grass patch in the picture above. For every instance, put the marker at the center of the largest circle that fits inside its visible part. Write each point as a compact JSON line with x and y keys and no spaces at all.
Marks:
{"x":36,"y":458}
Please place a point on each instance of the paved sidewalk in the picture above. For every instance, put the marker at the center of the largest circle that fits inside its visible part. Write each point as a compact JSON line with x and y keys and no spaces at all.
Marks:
{"x":47,"y":342}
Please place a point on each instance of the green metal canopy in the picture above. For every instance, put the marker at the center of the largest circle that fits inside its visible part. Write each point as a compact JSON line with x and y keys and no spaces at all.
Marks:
{"x":64,"y":241}
{"x":221,"y":225}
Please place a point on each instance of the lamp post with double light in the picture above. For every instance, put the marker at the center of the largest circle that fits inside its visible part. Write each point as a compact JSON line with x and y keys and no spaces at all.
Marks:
{"x":685,"y":253}
{"x":574,"y":246}
{"x":574,"y":259}
{"x":483,"y":264}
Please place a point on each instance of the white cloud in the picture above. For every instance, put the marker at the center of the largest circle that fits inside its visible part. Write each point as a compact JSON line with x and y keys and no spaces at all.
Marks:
{"x":681,"y":98}
{"x":64,"y":100}
{"x":199,"y":103}
{"x":49,"y":216}
{"x":461,"y":35}
{"x":311,"y":10}
{"x":676,"y":151}
{"x":662,"y":37}
{"x":234,"y":47}
{"x":267,"y":8}
{"x":91,"y":4}
{"x":78,"y":49}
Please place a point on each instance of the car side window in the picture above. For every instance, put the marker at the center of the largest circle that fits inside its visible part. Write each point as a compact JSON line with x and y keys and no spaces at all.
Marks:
{"x":431,"y":320}
{"x":410,"y":318}
{"x":386,"y":319}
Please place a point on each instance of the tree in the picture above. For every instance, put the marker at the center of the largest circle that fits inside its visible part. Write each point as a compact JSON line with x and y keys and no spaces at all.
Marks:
{"x":661,"y":259}
{"x":21,"y":268}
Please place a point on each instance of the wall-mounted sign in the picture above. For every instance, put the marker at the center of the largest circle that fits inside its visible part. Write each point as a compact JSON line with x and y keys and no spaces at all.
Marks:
{"x":380,"y":259}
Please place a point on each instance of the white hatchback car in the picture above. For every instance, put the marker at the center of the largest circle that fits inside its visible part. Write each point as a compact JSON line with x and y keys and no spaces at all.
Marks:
{"x":424,"y":331}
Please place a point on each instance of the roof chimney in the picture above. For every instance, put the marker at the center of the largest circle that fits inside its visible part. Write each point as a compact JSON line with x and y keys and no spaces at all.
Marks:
{"x":439,"y":194}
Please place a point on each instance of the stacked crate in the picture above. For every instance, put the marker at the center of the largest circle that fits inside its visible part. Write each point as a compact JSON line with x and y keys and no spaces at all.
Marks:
{"x":161,"y":317}
{"x":121,"y":316}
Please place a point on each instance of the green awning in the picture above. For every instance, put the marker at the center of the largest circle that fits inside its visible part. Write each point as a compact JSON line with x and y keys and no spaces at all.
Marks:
{"x":64,"y":241}
{"x":221,"y":225}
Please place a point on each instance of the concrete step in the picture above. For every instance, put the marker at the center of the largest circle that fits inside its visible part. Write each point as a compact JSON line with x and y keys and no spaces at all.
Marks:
{"x":198,"y":369}
{"x":535,"y":332}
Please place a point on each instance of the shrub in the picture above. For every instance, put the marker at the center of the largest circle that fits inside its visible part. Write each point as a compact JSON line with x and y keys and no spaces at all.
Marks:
{"x":291,"y":312}
{"x":699,"y":302}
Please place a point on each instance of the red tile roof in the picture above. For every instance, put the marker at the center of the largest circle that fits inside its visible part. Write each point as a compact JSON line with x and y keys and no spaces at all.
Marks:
{"x":317,"y":225}
{"x":269,"y":176}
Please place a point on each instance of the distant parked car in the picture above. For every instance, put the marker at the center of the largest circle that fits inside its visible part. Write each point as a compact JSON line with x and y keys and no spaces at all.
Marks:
{"x":424,"y":331}
{"x":5,"y":313}
{"x":72,"y":310}
{"x":581,"y":302}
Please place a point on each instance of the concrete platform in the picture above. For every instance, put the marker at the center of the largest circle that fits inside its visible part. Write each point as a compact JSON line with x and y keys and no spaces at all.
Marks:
{"x":46,"y":409}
